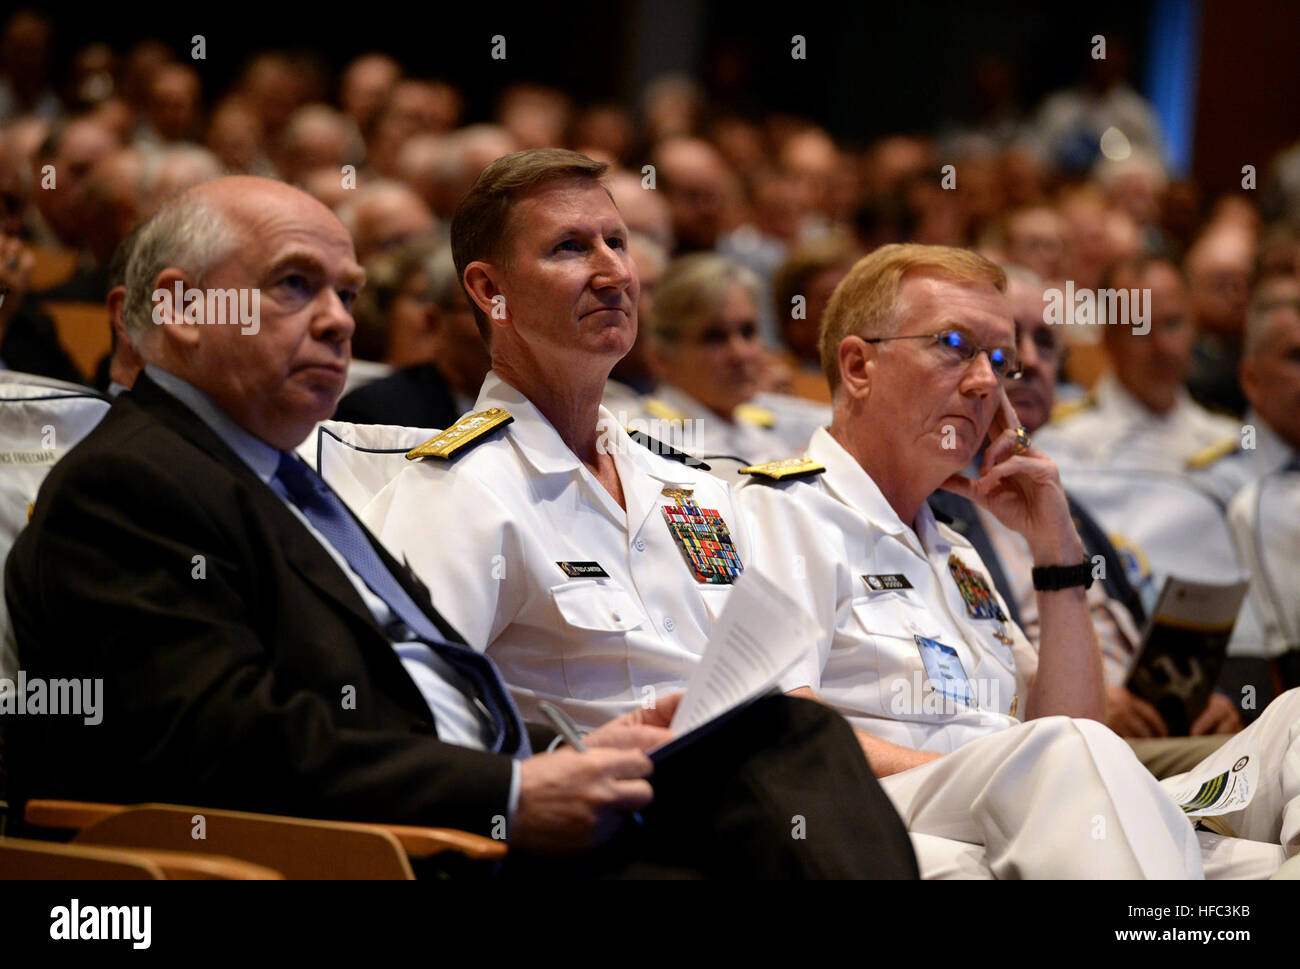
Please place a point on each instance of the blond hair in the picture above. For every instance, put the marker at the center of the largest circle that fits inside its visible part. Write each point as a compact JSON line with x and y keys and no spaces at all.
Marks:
{"x":865,"y":303}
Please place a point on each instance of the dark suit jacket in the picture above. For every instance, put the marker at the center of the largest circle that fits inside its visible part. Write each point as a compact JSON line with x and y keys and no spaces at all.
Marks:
{"x":241,"y":668}
{"x":414,"y":397}
{"x":962,"y":517}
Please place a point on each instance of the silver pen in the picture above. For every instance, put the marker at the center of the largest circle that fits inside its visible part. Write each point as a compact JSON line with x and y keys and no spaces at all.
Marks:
{"x":567,"y":729}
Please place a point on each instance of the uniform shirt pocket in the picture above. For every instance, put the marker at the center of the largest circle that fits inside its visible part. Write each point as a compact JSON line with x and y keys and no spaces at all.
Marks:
{"x":715,"y":599}
{"x":596,"y":606}
{"x":892,"y":622}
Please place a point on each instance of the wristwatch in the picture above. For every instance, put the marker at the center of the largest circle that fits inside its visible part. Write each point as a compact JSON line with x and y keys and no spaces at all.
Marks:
{"x":1050,"y":578}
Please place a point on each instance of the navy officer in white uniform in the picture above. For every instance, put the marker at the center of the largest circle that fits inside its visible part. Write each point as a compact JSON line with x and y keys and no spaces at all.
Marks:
{"x":977,"y":739}
{"x":590,"y":567}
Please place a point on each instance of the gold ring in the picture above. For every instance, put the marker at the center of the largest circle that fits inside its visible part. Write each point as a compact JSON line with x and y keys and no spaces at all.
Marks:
{"x":1022,"y":440}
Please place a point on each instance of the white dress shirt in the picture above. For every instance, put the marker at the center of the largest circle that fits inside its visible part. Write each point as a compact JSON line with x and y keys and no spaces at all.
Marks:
{"x":456,"y":719}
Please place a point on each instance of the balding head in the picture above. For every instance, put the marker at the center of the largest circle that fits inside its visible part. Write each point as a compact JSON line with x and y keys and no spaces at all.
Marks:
{"x":317,"y":136}
{"x":267,"y":277}
{"x":384,"y":215}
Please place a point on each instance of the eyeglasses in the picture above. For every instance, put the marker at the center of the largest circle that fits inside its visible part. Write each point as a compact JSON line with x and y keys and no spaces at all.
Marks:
{"x":959,"y":348}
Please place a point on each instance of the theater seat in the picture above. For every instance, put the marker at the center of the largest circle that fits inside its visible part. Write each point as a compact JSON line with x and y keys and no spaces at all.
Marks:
{"x":300,"y":848}
{"x":83,"y":331}
{"x":24,"y":859}
{"x":53,"y":266}
{"x":358,"y":460}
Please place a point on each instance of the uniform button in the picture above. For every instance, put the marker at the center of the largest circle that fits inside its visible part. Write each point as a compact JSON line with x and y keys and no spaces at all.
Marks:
{"x":639,"y":544}
{"x":669,"y":624}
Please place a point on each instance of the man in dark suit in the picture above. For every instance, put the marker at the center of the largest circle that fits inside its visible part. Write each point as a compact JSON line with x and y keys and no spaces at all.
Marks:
{"x":259,"y":650}
{"x":430,"y":394}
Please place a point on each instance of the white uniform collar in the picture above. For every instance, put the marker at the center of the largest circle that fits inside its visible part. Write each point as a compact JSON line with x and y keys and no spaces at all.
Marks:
{"x":1114,"y":398}
{"x":846,"y":480}
{"x":1270,"y":449}
{"x":541,"y":445}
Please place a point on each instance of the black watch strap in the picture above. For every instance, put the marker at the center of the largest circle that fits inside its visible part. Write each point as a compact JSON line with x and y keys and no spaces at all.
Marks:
{"x":1050,"y":578}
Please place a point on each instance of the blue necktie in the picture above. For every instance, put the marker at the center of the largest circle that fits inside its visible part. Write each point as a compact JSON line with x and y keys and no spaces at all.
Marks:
{"x":323,"y":508}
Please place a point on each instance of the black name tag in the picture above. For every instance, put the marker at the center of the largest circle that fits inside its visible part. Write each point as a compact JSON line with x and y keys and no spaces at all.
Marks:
{"x":886,"y":583}
{"x":583,"y":570}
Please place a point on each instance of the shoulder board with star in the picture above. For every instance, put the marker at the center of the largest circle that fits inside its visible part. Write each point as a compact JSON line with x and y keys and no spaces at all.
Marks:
{"x":469,"y":430}
{"x":784,"y":470}
{"x":755,"y":416}
{"x":1206,"y":456}
{"x":666,"y":450}
{"x":1065,"y":409}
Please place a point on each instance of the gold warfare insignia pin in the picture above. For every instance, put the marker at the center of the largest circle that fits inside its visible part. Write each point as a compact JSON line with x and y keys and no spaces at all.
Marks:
{"x":703,"y":538}
{"x":467,"y":430}
{"x":975,"y":592}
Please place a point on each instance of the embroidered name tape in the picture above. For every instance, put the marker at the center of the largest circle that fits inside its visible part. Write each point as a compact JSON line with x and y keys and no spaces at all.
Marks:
{"x":583,"y":570}
{"x":885,"y":583}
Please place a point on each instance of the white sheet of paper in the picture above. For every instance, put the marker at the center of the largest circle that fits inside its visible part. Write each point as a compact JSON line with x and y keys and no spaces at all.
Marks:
{"x":756,"y":640}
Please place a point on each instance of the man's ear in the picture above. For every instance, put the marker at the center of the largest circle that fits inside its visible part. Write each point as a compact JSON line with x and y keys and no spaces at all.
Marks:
{"x":167,"y":313}
{"x":856,"y":359}
{"x":481,"y":284}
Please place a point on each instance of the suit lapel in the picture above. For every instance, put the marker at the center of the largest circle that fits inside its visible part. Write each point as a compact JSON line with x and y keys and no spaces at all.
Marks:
{"x":301,"y":548}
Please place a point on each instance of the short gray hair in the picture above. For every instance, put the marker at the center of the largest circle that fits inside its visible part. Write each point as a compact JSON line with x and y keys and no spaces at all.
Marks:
{"x":188,"y":234}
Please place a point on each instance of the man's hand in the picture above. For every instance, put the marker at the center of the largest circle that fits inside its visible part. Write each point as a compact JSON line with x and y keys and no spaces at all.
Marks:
{"x":1023,"y":491}
{"x":16,"y":265}
{"x":571,"y":802}
{"x":1128,"y":715}
{"x":1219,"y":717}
{"x":642,"y":729}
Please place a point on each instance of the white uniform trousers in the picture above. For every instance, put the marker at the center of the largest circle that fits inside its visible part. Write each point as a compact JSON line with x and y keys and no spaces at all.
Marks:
{"x":1050,"y":798}
{"x":1272,"y":818}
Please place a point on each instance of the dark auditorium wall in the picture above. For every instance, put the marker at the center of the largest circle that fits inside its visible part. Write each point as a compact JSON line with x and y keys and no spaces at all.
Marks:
{"x":1248,"y":98}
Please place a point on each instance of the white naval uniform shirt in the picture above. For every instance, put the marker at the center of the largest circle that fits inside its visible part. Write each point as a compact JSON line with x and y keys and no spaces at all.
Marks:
{"x":486,"y":530}
{"x":1119,"y":432}
{"x":820,"y":537}
{"x":1232,"y":472}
